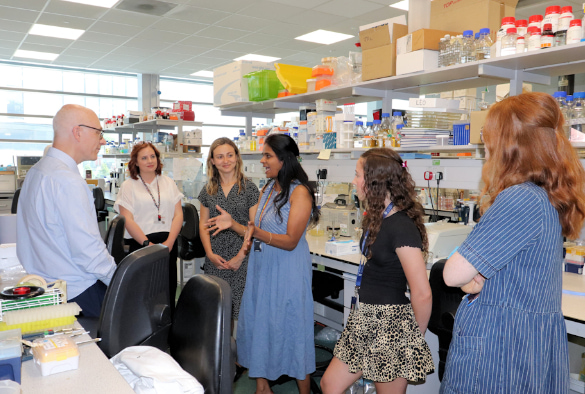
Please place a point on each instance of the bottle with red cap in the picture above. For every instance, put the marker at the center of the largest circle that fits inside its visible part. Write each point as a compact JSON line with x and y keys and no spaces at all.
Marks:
{"x":547,"y":39}
{"x":575,"y":32}
{"x":509,"y":42}
{"x":522,"y":27}
{"x":566,"y":17}
{"x":508,"y":22}
{"x":552,"y":15}
{"x":536,"y":21}
{"x":534,"y":34}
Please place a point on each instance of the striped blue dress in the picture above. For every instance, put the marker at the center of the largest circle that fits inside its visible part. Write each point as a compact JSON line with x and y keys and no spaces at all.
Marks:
{"x":512,"y":338}
{"x":275,"y":328}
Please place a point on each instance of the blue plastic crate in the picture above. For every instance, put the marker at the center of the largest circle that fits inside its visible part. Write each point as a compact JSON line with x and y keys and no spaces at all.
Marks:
{"x":461,"y":131}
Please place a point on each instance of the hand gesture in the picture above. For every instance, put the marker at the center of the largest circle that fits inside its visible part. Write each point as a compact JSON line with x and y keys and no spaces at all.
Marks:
{"x":218,"y":261}
{"x":219,"y":223}
{"x":235,"y":263}
{"x":247,"y":245}
{"x":475,"y":285}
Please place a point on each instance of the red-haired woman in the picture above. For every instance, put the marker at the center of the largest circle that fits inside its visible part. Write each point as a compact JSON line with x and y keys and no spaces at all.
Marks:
{"x":151,"y":204}
{"x":509,"y":334}
{"x":383,"y":339}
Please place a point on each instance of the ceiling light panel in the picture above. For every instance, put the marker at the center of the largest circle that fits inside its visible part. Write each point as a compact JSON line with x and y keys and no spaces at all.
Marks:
{"x":401,"y":5}
{"x":97,"y":3}
{"x":55,"y":31}
{"x":36,"y":55}
{"x":257,"y":58}
{"x":203,"y":73}
{"x":324,"y":37}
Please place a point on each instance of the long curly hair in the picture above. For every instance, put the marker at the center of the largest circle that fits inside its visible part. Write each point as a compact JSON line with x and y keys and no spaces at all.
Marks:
{"x":133,"y":163}
{"x":213,"y":173}
{"x":385,"y":175}
{"x":525,"y":142}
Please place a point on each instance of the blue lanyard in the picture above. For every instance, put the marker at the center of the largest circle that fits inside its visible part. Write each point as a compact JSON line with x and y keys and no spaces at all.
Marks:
{"x":358,"y":280}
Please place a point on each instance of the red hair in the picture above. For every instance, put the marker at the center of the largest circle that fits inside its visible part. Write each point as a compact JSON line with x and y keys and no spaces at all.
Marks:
{"x":525,"y":141}
{"x":133,"y":167}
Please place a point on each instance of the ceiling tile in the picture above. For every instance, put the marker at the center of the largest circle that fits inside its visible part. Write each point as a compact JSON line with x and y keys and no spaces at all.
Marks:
{"x":179,"y":70}
{"x":206,"y":60}
{"x":115,"y":29}
{"x":221,"y":33}
{"x":271,"y":11}
{"x":241,"y":47}
{"x":18,"y":15}
{"x":287,"y":30}
{"x":384,"y":2}
{"x":298,"y":45}
{"x":162,"y":36}
{"x":261,"y":39}
{"x":80,"y":63}
{"x":173,"y":57}
{"x":219,"y":54}
{"x":178,"y":26}
{"x":49,"y":41}
{"x":36,"y":5}
{"x":192,"y":50}
{"x":6,"y":52}
{"x":281,"y":52}
{"x":110,"y":65}
{"x":301,"y":3}
{"x":12,"y":45}
{"x":223,"y":5}
{"x":305,"y":57}
{"x":314,"y":18}
{"x":71,"y":22}
{"x":381,"y":14}
{"x":91,"y":46}
{"x":203,"y":42}
{"x":11,"y":35}
{"x":127,"y":51}
{"x":69,"y":57}
{"x":83,"y":53}
{"x":101,"y":38}
{"x":19,"y":27}
{"x":75,"y":9}
{"x":242,"y":22}
{"x":40,"y":48}
{"x":129,"y":18}
{"x":195,"y":14}
{"x":145,"y":44}
{"x":349,"y":8}
{"x":346,"y":26}
{"x":128,"y":60}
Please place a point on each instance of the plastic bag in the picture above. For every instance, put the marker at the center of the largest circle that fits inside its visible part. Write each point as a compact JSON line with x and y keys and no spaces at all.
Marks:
{"x":328,"y":334}
{"x":362,"y":386}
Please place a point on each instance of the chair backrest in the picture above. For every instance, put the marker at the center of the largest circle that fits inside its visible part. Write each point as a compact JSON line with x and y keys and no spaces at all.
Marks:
{"x":136,"y":307}
{"x":115,"y":238}
{"x":190,"y":245}
{"x":99,"y":199}
{"x":200,"y":338}
{"x":14,"y":206}
{"x":446,"y":300}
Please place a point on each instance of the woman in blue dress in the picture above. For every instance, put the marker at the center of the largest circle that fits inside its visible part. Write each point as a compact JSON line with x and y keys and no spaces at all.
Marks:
{"x":509,"y":334}
{"x":275,"y":333}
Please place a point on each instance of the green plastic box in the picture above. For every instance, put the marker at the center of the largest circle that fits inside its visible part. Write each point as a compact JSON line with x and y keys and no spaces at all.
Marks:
{"x":263,"y":85}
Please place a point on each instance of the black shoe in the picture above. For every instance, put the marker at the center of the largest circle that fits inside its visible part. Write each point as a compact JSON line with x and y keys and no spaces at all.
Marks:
{"x":239,"y":371}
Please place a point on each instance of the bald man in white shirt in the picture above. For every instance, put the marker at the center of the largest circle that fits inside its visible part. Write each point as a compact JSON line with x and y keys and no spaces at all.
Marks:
{"x":57,"y":231}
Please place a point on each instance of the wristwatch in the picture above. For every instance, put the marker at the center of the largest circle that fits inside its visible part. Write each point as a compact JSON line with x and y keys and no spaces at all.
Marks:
{"x":145,"y":243}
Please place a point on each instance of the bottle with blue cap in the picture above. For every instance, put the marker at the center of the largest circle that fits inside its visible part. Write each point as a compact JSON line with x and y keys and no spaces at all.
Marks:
{"x":386,"y":130}
{"x":578,"y":112}
{"x":368,"y":143}
{"x":358,"y":134}
{"x":561,"y":98}
{"x":467,"y":47}
{"x":484,"y":44}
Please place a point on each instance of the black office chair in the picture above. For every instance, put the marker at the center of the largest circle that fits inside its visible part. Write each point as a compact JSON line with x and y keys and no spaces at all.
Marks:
{"x":100,"y":204}
{"x":189,"y":243}
{"x":200,"y":338}
{"x":14,"y":206}
{"x":115,"y":238}
{"x":136,"y":307}
{"x":446,"y":300}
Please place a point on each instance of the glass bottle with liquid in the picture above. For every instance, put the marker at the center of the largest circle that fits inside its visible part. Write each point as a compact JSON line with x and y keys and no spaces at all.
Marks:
{"x":376,"y":133}
{"x":368,"y":143}
{"x":358,"y":134}
{"x":386,"y":129}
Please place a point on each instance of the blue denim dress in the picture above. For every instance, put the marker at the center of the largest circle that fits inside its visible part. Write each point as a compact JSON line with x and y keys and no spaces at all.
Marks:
{"x":512,"y":338}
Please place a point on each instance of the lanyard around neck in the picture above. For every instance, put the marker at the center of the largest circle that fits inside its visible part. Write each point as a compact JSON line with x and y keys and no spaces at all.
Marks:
{"x":264,"y":207}
{"x":153,"y":200}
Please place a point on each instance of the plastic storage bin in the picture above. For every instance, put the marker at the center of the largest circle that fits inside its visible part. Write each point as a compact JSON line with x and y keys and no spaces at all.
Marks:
{"x":294,"y":78}
{"x":10,"y":353}
{"x":461,"y":133}
{"x":263,"y":85}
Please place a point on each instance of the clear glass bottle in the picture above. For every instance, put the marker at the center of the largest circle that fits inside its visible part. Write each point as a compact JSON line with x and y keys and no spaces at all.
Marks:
{"x":386,"y":129}
{"x":368,"y":133}
{"x":397,"y":125}
{"x":397,"y":138}
{"x":560,"y":38}
{"x":442,"y":49}
{"x":467,"y":47}
{"x":560,"y":97}
{"x":447,"y":55}
{"x":508,"y":46}
{"x":358,"y":134}
{"x":484,"y":44}
{"x":578,"y":112}
{"x":456,"y":44}
{"x":377,"y":137}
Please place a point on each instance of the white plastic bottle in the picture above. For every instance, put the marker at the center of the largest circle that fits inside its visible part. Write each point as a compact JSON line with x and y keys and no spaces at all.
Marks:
{"x":536,"y":21}
{"x":509,"y":42}
{"x":520,"y":44}
{"x":566,"y":17}
{"x":507,"y":23}
{"x":533,"y":38}
{"x":552,"y":15}
{"x":522,"y":27}
{"x":575,"y":32}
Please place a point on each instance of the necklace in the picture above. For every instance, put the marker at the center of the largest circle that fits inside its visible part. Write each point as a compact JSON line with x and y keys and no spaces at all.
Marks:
{"x":153,"y":200}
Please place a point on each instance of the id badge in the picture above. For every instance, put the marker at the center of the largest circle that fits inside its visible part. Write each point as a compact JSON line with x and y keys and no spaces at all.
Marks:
{"x":257,"y":245}
{"x":161,"y":221}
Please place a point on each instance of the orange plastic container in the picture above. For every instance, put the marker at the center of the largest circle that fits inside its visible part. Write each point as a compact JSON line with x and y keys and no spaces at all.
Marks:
{"x":321,"y":70}
{"x":322,"y":83}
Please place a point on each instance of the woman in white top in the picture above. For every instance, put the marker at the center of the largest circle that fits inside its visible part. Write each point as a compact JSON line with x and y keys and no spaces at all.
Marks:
{"x":151,"y":204}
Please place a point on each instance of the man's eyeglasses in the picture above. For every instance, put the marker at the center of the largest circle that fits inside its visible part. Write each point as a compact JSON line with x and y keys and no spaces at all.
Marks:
{"x":101,"y":131}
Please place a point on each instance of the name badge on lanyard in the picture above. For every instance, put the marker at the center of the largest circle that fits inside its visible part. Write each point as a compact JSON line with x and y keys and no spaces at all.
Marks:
{"x":363,"y":259}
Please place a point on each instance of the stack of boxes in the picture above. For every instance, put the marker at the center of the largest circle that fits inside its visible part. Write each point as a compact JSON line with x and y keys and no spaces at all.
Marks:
{"x":419,"y":51}
{"x":184,"y":110}
{"x":574,"y":259}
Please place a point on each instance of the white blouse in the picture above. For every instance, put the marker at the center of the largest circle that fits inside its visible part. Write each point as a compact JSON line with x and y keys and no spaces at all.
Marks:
{"x":135,"y":198}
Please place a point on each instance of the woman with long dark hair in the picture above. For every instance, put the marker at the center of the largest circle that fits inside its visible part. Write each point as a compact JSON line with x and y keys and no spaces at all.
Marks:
{"x":275,"y":333}
{"x":383,"y":339}
{"x":151,"y":204}
{"x":509,"y":334}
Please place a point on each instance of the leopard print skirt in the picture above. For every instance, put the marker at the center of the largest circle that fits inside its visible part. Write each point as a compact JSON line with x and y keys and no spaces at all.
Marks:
{"x":385,"y":343}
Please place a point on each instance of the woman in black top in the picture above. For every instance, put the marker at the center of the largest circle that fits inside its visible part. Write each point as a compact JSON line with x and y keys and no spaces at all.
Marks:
{"x":383,"y":339}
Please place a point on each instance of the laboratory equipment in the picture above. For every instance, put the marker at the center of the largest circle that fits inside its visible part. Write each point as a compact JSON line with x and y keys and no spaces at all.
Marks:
{"x":444,"y":238}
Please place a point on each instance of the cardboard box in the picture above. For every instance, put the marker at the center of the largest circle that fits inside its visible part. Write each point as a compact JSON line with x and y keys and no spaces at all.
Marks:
{"x":340,"y":248}
{"x":422,"y":60}
{"x":477,"y":121}
{"x":421,"y":39}
{"x":179,"y":106}
{"x":460,"y":15}
{"x":379,"y":50}
{"x":229,"y":84}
